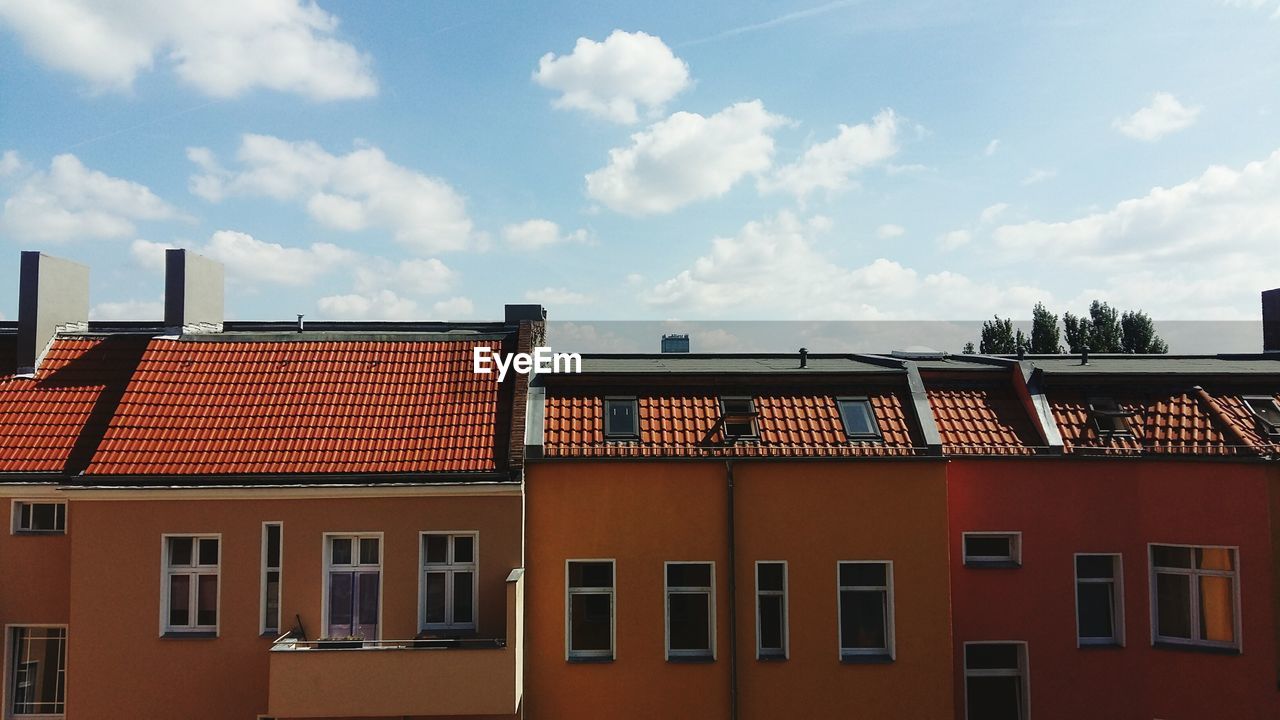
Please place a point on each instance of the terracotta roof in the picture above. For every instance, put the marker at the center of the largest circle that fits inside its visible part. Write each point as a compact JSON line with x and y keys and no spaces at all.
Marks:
{"x":1242,"y":420}
{"x":984,"y":419}
{"x":1171,"y":421}
{"x":682,"y":423}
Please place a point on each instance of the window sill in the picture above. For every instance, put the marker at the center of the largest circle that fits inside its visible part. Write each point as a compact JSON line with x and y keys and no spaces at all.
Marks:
{"x":1188,"y":647}
{"x":694,"y":659}
{"x":590,"y":660}
{"x":991,"y":564}
{"x":39,"y":532}
{"x":868,"y":659}
{"x":1098,"y":645}
{"x":779,"y":657}
{"x":190,"y":634}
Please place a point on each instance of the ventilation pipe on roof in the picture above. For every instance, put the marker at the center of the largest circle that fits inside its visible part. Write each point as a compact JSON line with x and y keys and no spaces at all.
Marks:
{"x":301,"y":324}
{"x":192,"y":293}
{"x":53,"y":297}
{"x":804,"y":357}
{"x":1271,"y":320}
{"x":1084,"y":355}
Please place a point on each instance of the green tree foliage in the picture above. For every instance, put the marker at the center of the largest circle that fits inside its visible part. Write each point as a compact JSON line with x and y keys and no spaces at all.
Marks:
{"x":969,"y":349}
{"x":1140,"y":334}
{"x":1104,"y":330}
{"x":997,"y":337}
{"x":1045,"y":339}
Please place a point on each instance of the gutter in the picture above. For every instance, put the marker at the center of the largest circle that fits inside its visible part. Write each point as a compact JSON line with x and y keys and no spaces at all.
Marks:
{"x":733,"y":594}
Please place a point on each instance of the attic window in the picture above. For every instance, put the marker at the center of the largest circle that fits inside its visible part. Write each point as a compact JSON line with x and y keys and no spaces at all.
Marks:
{"x":1267,"y":413}
{"x":739,"y":416}
{"x":620,"y":418}
{"x":858,"y":418}
{"x":1108,"y":418}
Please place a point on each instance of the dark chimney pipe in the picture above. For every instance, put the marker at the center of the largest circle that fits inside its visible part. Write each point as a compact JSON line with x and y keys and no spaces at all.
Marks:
{"x":1271,"y":320}
{"x":1084,"y":355}
{"x":804,"y":357}
{"x":300,"y":324}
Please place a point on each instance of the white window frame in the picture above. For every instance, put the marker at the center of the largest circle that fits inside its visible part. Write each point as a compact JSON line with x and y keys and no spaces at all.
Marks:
{"x":1023,"y":671}
{"x":327,"y":565}
{"x":167,"y":571}
{"x":890,"y":651}
{"x":15,"y":516}
{"x":710,"y":590}
{"x":262,"y":596}
{"x":1194,"y":574}
{"x":635,"y":416}
{"x":11,"y":663}
{"x":1117,"y":599}
{"x":591,"y":655}
{"x":449,"y":568}
{"x":1014,"y":559}
{"x":754,"y":421}
{"x":771,"y":654}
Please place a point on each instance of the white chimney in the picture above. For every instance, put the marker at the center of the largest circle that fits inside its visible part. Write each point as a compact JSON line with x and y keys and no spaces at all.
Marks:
{"x":192,"y":293}
{"x":53,"y":297}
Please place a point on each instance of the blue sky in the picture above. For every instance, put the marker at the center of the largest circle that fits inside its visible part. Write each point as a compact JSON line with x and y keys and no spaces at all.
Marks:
{"x":748,"y":160}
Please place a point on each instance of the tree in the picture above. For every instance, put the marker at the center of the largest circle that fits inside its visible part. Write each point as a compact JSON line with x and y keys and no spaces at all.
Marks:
{"x":1044,"y":331}
{"x":1100,"y":332}
{"x":1104,"y":330}
{"x":969,"y":349}
{"x":997,"y":337}
{"x":1140,"y":334}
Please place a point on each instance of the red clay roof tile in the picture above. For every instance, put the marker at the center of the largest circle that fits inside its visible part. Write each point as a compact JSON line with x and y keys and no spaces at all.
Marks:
{"x":1168,"y":421}
{"x":982,"y":419}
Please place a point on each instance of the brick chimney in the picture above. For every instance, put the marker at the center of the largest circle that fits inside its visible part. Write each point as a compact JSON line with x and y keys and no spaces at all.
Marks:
{"x":192,"y":293}
{"x":53,"y":297}
{"x":1271,"y":320}
{"x":530,"y":323}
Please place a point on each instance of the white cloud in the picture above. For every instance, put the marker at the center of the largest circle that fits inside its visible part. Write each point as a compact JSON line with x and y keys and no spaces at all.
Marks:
{"x":991,"y":147}
{"x":1163,"y":116}
{"x":11,"y":163}
{"x":251,"y":261}
{"x":221,"y":49}
{"x":686,"y":158}
{"x":991,"y":213}
{"x":415,"y":277}
{"x":774,"y":269}
{"x":1039,"y":175}
{"x":362,"y":189}
{"x":538,"y":233}
{"x":955,"y":239}
{"x":128,"y":310}
{"x":613,"y":79}
{"x":829,"y":165}
{"x":884,"y":232}
{"x":71,"y":202}
{"x":1255,"y":5}
{"x":557,"y":296}
{"x":380,"y":305}
{"x":454,"y":308}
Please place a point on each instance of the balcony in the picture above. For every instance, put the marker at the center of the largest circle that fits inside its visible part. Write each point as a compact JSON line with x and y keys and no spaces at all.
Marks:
{"x":396,"y":678}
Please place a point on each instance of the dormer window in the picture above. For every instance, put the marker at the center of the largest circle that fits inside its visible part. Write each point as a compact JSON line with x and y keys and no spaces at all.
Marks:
{"x":858,"y":418}
{"x":1267,"y":413}
{"x":1108,"y":418}
{"x":738,"y":414}
{"x":620,"y":421}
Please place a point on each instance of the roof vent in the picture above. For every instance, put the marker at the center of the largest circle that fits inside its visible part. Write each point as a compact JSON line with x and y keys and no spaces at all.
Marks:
{"x":804,"y":357}
{"x":1084,"y":355}
{"x":53,"y":297}
{"x":919,"y":352}
{"x":301,"y":324}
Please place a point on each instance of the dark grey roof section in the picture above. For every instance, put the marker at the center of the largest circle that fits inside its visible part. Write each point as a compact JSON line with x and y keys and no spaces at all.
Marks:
{"x":923,"y":410}
{"x":699,"y":364}
{"x":1163,"y":365}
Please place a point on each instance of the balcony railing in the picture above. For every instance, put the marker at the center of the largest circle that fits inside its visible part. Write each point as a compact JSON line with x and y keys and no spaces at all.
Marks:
{"x":382,"y":678}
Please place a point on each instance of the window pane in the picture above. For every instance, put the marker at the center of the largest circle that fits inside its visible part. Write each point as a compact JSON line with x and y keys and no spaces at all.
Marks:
{"x":207,"y":600}
{"x":991,"y":656}
{"x":24,"y":516}
{"x":272,"y":601}
{"x":689,"y":621}
{"x":862,"y":619}
{"x":589,"y":621}
{"x":340,"y":600}
{"x":368,"y":551}
{"x":43,"y":516}
{"x":463,"y":549}
{"x":38,"y":674}
{"x":340,"y":553}
{"x":994,"y":698}
{"x":590,"y":574}
{"x":689,"y":575}
{"x":620,"y":417}
{"x":462,"y":597}
{"x":60,"y":522}
{"x":769,"y":576}
{"x":1215,"y":559}
{"x":180,"y":551}
{"x":1217,"y":609}
{"x":1172,"y":557}
{"x":273,"y":546}
{"x":1173,"y":605}
{"x":437,"y":548}
{"x":209,"y":551}
{"x":857,"y":417}
{"x":1097,"y":609}
{"x":874,"y":574}
{"x":179,"y":600}
{"x":772,"y":617}
{"x":368,"y":590}
{"x":992,"y":546}
{"x":434,"y":597}
{"x":1095,"y":566}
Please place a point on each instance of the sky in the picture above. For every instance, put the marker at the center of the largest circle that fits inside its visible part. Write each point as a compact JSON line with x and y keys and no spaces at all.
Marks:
{"x":657,"y":161}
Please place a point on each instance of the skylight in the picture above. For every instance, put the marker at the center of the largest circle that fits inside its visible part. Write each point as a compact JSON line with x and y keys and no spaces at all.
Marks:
{"x":1267,"y":412}
{"x":859,"y":419}
{"x":620,"y":418}
{"x":1108,"y":418}
{"x":739,"y":416}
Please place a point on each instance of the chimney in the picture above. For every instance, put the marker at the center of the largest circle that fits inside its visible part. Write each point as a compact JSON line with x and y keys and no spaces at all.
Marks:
{"x":530,"y":323}
{"x":675,"y":343}
{"x":53,"y":297}
{"x":1271,"y":320}
{"x":192,"y":293}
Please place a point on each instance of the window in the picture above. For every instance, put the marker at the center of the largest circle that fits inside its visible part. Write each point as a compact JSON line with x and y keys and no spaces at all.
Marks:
{"x":771,"y":610}
{"x":995,"y":681}
{"x":191,"y":583}
{"x":39,"y":517}
{"x":354,"y":587}
{"x":866,"y":610}
{"x":589,"y":610}
{"x":1267,"y":413}
{"x":993,"y":549}
{"x":449,"y":581}
{"x":38,"y":682}
{"x":1099,"y":600}
{"x":620,"y":418}
{"x":859,"y":419}
{"x":1195,"y":596}
{"x":739,"y":416}
{"x":691,"y":624}
{"x":1108,"y":418}
{"x":271,"y":550}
